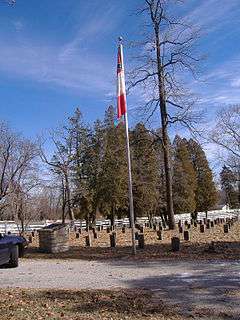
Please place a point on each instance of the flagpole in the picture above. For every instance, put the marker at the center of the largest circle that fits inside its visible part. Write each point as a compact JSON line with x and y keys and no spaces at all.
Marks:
{"x":130,"y":193}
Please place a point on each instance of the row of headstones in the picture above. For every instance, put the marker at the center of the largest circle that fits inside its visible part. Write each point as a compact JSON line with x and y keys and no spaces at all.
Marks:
{"x":228,"y":222}
{"x":140,"y":236}
{"x":154,"y":226}
{"x":208,"y":224}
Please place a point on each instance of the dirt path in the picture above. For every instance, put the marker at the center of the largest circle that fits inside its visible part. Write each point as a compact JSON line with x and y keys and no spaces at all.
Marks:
{"x":190,"y":284}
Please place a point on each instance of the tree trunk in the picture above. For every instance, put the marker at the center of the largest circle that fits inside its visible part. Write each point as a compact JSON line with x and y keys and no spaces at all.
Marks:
{"x":68,"y":194}
{"x":165,"y":142}
{"x":112,"y":217}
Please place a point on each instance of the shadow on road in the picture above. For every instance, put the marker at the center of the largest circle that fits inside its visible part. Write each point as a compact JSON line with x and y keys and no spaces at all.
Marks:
{"x":199,"y":288}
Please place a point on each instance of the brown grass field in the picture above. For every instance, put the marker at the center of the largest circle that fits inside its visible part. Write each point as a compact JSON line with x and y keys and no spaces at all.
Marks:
{"x":26,"y":304}
{"x":226,"y":245}
{"x":116,"y":304}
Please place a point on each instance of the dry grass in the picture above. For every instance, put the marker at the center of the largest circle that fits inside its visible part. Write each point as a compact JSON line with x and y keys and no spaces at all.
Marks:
{"x":227,"y":246}
{"x":26,"y":304}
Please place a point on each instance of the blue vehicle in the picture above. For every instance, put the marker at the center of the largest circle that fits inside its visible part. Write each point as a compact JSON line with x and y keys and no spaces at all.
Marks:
{"x":11,"y":248}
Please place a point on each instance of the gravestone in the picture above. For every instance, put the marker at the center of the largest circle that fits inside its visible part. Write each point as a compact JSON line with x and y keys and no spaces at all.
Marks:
{"x":225,"y":228}
{"x":88,"y":241}
{"x":175,"y":244}
{"x":113,"y":240}
{"x":141,"y":241}
{"x":186,"y":235}
{"x":159,"y":234}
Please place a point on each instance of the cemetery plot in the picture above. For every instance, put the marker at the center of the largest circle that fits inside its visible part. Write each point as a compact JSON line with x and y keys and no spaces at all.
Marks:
{"x":218,"y":239}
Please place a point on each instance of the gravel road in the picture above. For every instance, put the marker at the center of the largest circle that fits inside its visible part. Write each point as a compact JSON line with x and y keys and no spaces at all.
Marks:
{"x":188,"y":283}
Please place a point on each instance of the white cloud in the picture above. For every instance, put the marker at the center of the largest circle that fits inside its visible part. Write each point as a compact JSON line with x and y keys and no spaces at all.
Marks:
{"x":18,"y":25}
{"x":73,"y":64}
{"x":211,"y":14}
{"x":236,"y":83}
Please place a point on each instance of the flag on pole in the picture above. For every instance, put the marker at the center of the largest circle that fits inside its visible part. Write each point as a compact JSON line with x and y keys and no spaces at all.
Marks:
{"x":121,"y":90}
{"x":122,"y":111}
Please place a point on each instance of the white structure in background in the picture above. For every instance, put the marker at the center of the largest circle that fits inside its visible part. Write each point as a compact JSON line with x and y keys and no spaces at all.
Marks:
{"x":11,"y":226}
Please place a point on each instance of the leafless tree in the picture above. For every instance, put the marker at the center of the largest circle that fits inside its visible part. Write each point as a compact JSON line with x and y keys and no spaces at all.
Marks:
{"x":22,"y":200}
{"x":60,"y":165}
{"x":167,"y":52}
{"x":226,"y":133}
{"x":10,"y":2}
{"x":16,"y":158}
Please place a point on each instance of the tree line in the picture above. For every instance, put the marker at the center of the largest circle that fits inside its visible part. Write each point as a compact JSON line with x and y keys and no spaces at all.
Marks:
{"x":90,"y":166}
{"x":86,"y":176}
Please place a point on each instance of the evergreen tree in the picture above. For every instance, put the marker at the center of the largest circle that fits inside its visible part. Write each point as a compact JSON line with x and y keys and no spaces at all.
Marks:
{"x":184,"y":178}
{"x":79,"y":139}
{"x":145,"y":172}
{"x":93,"y":168}
{"x":206,"y":194}
{"x":114,"y":181}
{"x":229,"y":187}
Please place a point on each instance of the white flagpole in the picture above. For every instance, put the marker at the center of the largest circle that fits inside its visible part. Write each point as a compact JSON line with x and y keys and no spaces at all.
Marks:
{"x":130,"y":193}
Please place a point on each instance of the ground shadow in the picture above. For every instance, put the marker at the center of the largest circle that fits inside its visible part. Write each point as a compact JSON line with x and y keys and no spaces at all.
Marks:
{"x":207,"y":290}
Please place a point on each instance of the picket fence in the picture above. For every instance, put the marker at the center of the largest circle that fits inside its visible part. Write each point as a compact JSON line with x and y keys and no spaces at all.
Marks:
{"x":14,"y":228}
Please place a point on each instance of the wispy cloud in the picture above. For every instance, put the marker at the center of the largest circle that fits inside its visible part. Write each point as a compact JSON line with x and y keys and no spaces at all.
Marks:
{"x":72,"y":65}
{"x":18,"y":25}
{"x":211,"y":14}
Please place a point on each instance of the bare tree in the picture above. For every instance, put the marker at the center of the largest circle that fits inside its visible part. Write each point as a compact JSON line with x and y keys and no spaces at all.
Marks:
{"x":60,"y":165}
{"x":166,"y":53}
{"x":9,"y":2}
{"x":226,"y":133}
{"x":16,"y":158}
{"x":22,"y":200}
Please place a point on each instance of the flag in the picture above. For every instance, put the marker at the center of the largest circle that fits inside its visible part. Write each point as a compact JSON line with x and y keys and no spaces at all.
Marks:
{"x":121,"y":90}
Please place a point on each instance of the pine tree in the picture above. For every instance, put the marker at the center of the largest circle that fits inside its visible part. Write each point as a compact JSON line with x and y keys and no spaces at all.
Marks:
{"x":93,"y":167}
{"x":114,"y":181}
{"x":229,"y":187}
{"x":184,"y":178}
{"x":206,"y":194}
{"x":79,"y":139}
{"x":145,"y":170}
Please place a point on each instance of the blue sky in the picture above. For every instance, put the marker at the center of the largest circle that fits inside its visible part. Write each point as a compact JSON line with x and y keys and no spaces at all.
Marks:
{"x":57,"y":55}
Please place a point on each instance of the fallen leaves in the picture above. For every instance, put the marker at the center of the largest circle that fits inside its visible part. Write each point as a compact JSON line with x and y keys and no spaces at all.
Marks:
{"x":85,"y":304}
{"x":226,"y":246}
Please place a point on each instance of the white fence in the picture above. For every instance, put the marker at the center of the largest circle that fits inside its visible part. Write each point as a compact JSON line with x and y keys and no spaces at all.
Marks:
{"x":14,"y":228}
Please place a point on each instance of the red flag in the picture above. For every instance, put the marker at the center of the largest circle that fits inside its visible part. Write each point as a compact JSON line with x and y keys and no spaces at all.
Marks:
{"x":121,"y":90}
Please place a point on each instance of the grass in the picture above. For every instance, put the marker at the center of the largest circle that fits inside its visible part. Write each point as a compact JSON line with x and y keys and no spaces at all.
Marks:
{"x":227,"y":246}
{"x":26,"y":304}
{"x":118,"y":304}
